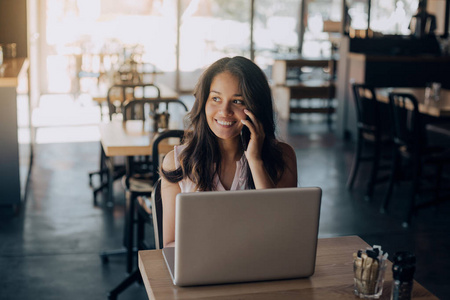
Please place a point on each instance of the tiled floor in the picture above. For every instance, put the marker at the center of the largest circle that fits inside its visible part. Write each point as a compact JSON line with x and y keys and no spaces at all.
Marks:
{"x":50,"y":249}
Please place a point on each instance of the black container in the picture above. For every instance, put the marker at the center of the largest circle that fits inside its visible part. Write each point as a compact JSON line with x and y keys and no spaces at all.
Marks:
{"x":403,"y":268}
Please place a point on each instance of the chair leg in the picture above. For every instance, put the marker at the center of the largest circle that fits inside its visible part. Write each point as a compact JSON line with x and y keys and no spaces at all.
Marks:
{"x":355,"y":164}
{"x":129,"y":235}
{"x":414,"y":195}
{"x":439,"y":169}
{"x":140,"y":230}
{"x":133,"y":277}
{"x":106,"y":254}
{"x":394,"y":171}
{"x":374,"y":171}
{"x":101,"y":173}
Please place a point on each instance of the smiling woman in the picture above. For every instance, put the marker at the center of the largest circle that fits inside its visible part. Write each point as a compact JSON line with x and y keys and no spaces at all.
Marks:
{"x":232,"y":94}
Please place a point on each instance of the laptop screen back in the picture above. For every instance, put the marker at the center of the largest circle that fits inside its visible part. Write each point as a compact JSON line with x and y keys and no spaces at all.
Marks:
{"x":240,"y":236}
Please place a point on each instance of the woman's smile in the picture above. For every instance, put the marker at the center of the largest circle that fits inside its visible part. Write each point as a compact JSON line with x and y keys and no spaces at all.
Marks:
{"x":225,"y":123}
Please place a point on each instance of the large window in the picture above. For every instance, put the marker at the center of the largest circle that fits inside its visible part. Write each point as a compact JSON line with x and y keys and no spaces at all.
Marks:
{"x":275,"y":30}
{"x":211,"y":29}
{"x":386,"y":16}
{"x":85,"y":38}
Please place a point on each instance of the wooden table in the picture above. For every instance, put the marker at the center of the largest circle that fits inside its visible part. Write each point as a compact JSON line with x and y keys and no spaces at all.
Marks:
{"x":130,"y":138}
{"x":333,"y":278}
{"x":439,"y":109}
{"x":282,"y":64}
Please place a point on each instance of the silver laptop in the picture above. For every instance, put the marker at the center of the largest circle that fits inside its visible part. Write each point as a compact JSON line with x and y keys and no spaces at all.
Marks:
{"x":243,"y":236}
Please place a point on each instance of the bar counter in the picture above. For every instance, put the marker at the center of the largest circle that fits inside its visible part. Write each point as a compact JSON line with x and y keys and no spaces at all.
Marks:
{"x":15,"y":157}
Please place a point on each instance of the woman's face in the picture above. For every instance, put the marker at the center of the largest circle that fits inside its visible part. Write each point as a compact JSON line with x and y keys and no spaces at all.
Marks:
{"x":225,"y":106}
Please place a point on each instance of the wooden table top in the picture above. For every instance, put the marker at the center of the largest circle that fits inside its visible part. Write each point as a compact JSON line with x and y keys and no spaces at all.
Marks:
{"x":439,"y":109}
{"x":304,"y":60}
{"x":333,"y":278}
{"x":129,"y":138}
{"x":166,"y":94}
{"x":11,"y":70}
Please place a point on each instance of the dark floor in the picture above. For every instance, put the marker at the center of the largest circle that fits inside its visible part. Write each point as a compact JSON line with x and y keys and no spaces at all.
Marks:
{"x":50,"y":250}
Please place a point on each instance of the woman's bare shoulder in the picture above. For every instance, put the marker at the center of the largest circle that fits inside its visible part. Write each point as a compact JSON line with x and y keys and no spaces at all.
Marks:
{"x":169,"y":161}
{"x":286,"y":149}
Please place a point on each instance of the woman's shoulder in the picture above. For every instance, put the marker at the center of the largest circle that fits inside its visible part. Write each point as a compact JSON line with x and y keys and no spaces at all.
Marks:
{"x":288,"y":152}
{"x":171,"y":159}
{"x":168,"y":163}
{"x":286,"y":148}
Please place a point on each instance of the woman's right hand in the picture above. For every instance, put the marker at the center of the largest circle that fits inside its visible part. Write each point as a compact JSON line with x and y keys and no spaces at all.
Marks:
{"x":257,"y":136}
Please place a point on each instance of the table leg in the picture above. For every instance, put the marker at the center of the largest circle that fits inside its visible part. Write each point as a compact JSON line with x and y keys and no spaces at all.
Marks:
{"x":109,"y":161}
{"x":129,"y":211}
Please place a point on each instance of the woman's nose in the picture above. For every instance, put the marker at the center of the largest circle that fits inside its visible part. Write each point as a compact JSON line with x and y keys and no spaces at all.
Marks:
{"x":226,"y":110}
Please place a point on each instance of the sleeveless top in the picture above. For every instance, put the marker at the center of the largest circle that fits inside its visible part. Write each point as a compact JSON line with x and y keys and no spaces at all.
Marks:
{"x":239,"y":180}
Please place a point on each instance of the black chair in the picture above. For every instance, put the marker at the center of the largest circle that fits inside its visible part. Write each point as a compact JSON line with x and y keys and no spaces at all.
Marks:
{"x":412,"y":156}
{"x":142,"y":167}
{"x":370,"y":132}
{"x":145,"y":213}
{"x":116,"y":98}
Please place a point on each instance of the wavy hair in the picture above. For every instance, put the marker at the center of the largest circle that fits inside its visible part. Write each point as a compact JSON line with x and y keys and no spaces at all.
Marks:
{"x":199,"y":159}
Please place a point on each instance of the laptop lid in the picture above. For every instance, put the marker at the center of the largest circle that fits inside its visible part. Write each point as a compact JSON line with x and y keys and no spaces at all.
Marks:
{"x":242,"y":236}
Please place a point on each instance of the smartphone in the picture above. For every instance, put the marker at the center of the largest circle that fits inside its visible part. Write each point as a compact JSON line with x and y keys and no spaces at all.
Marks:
{"x":245,"y":136}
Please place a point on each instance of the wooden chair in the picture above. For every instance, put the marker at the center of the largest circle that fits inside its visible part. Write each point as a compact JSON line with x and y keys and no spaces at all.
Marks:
{"x":370,"y":132}
{"x":412,"y":154}
{"x":146,"y":212}
{"x":139,"y":109}
{"x":118,"y":94}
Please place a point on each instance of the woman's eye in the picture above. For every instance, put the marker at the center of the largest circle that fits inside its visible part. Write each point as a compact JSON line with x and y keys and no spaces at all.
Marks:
{"x":239,"y":102}
{"x":215,"y":99}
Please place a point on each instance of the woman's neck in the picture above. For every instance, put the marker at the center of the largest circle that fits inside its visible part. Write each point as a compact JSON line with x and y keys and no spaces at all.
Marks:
{"x":230,"y":150}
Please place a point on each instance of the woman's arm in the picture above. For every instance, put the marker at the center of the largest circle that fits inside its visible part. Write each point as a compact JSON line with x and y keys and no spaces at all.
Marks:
{"x":169,"y":192}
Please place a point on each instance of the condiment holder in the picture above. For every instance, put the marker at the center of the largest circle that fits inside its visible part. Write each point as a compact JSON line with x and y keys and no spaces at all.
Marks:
{"x":369,"y":267}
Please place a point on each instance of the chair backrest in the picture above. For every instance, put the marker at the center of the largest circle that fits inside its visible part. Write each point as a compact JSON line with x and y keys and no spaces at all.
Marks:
{"x":135,"y":109}
{"x":157,"y":214}
{"x":367,"y":108}
{"x":118,"y":94}
{"x":406,"y":123}
{"x":156,"y":194}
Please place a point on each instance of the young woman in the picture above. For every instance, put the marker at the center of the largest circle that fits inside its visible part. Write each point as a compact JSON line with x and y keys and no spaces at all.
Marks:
{"x":231,"y":94}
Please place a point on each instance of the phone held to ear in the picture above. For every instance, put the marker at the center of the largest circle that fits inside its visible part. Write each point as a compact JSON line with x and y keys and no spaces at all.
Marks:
{"x":245,"y":137}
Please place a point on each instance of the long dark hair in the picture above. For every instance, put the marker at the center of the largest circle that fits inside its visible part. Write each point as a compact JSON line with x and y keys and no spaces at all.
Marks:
{"x":199,"y":159}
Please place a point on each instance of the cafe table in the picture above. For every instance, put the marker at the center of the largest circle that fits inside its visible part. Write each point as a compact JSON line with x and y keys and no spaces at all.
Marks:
{"x":437,"y":109}
{"x":129,"y":139}
{"x":333,"y":278}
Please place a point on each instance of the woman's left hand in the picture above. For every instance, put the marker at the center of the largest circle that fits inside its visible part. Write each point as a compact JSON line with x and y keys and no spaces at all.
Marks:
{"x":257,"y":136}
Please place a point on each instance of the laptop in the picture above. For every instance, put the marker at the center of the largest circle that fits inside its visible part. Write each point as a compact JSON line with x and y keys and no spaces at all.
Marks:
{"x":244,"y":236}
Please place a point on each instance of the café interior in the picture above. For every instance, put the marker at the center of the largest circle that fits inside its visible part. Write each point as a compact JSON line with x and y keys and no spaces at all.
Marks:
{"x":361,"y":91}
